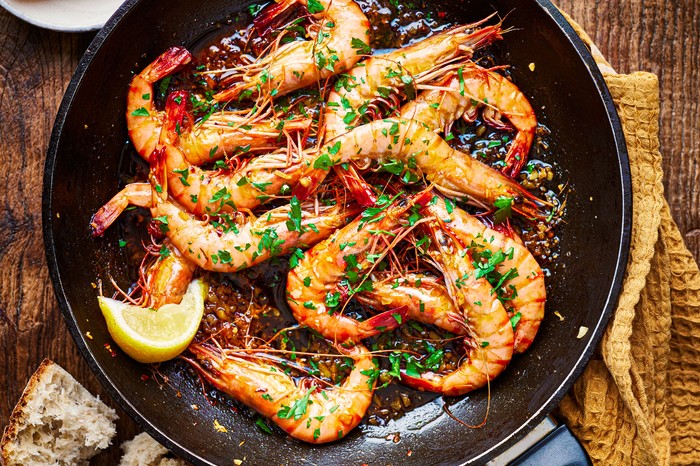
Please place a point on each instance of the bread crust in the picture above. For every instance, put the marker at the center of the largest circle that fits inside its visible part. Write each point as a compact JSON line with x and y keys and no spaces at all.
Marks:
{"x":18,"y":415}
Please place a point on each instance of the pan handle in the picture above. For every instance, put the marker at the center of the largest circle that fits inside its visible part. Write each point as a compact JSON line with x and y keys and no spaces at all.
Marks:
{"x":558,"y":448}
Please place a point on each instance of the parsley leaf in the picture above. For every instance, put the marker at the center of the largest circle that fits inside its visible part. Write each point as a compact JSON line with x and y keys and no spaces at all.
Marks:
{"x":504,"y":204}
{"x":362,"y":47}
{"x":294,"y":222}
{"x":140,"y":112}
{"x":314,"y":6}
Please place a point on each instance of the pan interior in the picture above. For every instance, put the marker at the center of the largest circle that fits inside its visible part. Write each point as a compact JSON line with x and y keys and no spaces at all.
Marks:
{"x":81,"y":173}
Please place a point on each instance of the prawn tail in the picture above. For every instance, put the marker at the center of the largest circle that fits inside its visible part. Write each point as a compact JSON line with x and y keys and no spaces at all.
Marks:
{"x":384,"y":321}
{"x":422,"y":198}
{"x":158,"y":175}
{"x":137,"y":194}
{"x":517,"y":155}
{"x":177,"y":119}
{"x":273,"y":16}
{"x":106,"y":215}
{"x":167,"y":63}
{"x":353,"y":182}
{"x":426,"y":382}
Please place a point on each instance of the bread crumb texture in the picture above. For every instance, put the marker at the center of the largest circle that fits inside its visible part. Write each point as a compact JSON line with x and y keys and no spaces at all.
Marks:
{"x":143,"y":450}
{"x":56,"y":422}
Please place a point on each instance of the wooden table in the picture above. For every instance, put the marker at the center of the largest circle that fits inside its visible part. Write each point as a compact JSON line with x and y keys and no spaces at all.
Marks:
{"x":661,"y":36}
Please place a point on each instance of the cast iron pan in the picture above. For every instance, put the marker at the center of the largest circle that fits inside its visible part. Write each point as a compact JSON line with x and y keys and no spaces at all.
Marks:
{"x":570,"y":97}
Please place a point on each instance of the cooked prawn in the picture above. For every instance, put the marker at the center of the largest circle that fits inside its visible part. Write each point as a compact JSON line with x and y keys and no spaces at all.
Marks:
{"x":331,"y":271}
{"x":454,"y":173}
{"x":462,"y":93}
{"x":210,"y":192}
{"x":226,"y":246}
{"x":303,"y":409}
{"x":143,"y":120}
{"x":221,"y":134}
{"x":425,"y":299}
{"x":523,"y":288}
{"x":489,"y":346}
{"x":341,"y":23}
{"x":376,"y":77}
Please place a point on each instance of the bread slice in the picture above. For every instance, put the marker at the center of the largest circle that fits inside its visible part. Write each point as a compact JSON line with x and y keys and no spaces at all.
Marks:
{"x":143,"y":450}
{"x":56,"y":422}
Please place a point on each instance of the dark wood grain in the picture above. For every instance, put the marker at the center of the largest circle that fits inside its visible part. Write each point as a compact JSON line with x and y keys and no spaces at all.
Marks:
{"x":661,"y":36}
{"x":35,"y":67}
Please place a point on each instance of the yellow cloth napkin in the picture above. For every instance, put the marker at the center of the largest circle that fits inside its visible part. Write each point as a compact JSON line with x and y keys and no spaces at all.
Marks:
{"x":638,"y":401}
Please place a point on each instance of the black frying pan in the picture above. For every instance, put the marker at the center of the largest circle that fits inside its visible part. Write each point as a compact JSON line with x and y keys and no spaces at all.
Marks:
{"x":570,"y":97}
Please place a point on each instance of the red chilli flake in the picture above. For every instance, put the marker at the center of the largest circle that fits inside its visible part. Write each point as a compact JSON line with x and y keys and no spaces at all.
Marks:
{"x":441,"y":14}
{"x":144,"y":377}
{"x":108,"y":347}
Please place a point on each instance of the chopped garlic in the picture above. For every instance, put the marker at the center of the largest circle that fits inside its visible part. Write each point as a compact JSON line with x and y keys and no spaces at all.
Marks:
{"x":219,"y":427}
{"x":582,"y":331}
{"x":532,"y":66}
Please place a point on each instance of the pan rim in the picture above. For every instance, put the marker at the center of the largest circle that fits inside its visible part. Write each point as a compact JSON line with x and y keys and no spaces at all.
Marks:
{"x":573,"y":374}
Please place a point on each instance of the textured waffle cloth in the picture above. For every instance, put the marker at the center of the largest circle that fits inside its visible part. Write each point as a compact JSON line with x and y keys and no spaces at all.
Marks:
{"x":638,"y":401}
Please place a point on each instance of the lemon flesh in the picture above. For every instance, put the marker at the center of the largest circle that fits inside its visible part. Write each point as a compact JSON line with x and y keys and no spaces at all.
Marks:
{"x":155,"y":335}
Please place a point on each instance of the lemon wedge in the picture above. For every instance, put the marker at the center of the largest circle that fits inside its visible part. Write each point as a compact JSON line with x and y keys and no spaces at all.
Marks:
{"x":155,"y":335}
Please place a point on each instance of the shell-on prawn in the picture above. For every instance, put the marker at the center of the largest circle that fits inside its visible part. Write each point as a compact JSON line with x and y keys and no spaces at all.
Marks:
{"x":519,"y":277}
{"x":454,"y":173}
{"x":304,"y":410}
{"x":226,"y":246}
{"x":489,"y":345}
{"x":462,"y":93}
{"x":210,"y":192}
{"x":302,"y":63}
{"x":377,"y":76}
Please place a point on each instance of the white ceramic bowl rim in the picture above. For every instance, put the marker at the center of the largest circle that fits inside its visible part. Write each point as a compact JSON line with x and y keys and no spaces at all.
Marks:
{"x":63,"y":15}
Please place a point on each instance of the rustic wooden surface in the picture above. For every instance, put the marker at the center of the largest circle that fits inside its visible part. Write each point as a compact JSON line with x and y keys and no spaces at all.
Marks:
{"x":661,"y":36}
